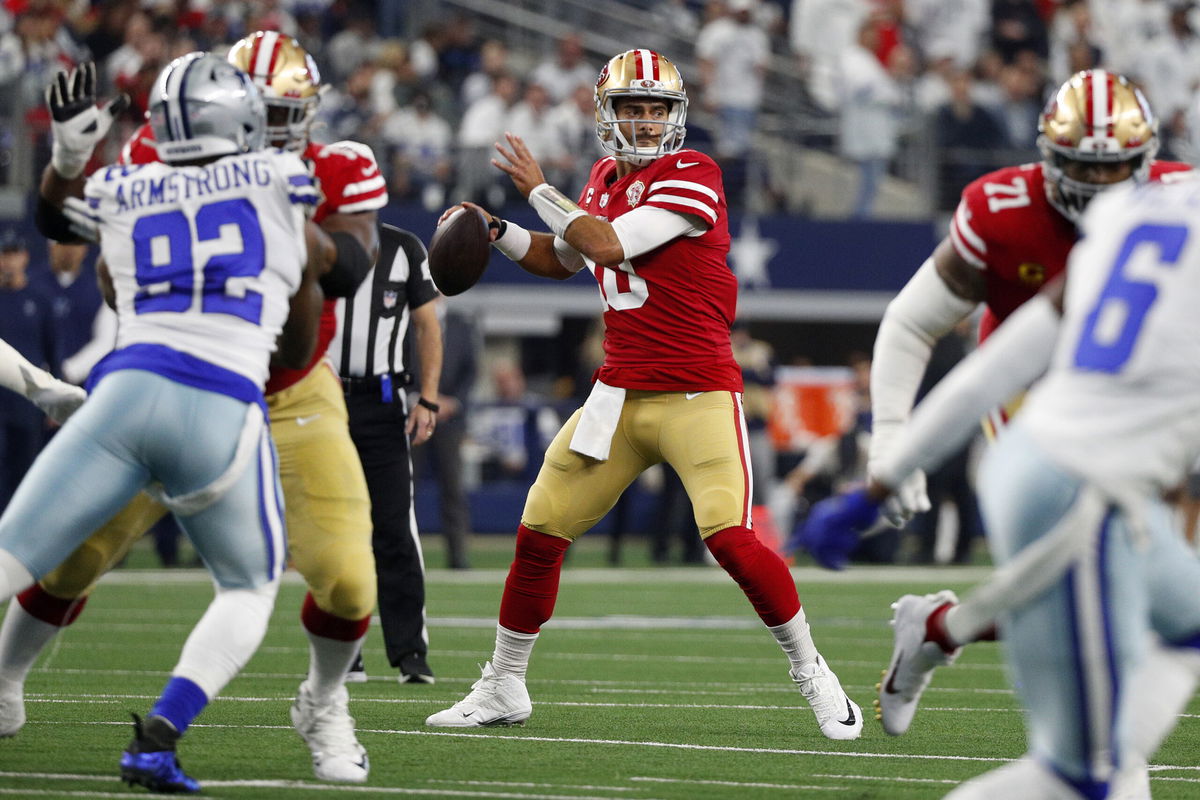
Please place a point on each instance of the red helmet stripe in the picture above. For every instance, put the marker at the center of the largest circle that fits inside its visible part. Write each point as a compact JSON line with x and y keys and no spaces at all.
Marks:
{"x":1110,"y":99}
{"x":1090,"y":93}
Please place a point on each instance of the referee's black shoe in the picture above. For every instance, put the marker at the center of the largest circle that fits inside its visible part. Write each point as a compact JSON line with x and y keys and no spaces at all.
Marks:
{"x":413,"y":669}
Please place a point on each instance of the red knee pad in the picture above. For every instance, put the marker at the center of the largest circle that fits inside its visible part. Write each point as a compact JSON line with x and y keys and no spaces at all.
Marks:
{"x":321,"y":623}
{"x":532,"y":584}
{"x":42,"y":605}
{"x":763,"y":575}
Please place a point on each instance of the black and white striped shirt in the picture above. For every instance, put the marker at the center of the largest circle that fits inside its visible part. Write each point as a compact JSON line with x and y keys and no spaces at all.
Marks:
{"x":371,"y":325}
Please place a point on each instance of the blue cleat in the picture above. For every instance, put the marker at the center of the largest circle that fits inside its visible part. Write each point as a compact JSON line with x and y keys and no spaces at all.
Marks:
{"x":150,"y":759}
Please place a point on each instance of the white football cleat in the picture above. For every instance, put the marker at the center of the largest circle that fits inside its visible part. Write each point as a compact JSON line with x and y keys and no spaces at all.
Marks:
{"x":493,"y":700}
{"x":328,"y":730}
{"x":913,"y":660}
{"x":1130,"y":783}
{"x":12,"y":708}
{"x":1025,"y":779}
{"x":838,"y":716}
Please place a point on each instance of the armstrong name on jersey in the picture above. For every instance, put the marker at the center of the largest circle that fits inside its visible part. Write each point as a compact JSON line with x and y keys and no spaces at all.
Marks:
{"x":209,"y":179}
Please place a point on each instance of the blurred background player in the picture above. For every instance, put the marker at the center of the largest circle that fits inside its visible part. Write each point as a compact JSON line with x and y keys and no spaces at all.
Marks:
{"x":177,"y":408}
{"x":1011,"y":234}
{"x":669,"y":370}
{"x":327,"y":506}
{"x":1075,"y":487}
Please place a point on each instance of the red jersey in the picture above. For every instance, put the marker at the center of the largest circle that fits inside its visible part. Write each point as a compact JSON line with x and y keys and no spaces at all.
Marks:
{"x":668,"y":311}
{"x":348,"y":181}
{"x":1006,"y":227}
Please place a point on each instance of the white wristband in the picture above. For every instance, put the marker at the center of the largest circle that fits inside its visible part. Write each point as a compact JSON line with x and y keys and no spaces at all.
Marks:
{"x":515,"y":241}
{"x":555,"y":208}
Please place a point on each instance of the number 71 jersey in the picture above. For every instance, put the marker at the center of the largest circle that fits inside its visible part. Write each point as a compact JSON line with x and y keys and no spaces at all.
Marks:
{"x":205,"y":258}
{"x":1006,"y":227}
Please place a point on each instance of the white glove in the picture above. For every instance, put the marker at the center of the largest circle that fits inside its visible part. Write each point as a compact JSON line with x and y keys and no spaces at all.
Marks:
{"x":57,"y":399}
{"x":909,"y":498}
{"x":83,"y":221}
{"x":77,"y":124}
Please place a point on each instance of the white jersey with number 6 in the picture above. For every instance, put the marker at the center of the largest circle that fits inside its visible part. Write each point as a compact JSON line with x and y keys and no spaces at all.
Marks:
{"x":204,"y":258}
{"x":1121,"y":403}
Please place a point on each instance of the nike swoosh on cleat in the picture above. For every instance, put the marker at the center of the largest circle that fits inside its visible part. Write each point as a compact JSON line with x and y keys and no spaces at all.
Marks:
{"x":684,"y":164}
{"x":467,"y":713}
{"x":849,"y":720}
{"x":890,"y":687}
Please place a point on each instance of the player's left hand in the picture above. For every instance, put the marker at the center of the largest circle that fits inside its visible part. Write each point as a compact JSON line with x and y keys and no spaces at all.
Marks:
{"x":77,"y":124}
{"x":421,"y":423}
{"x":835,"y":526}
{"x":521,"y":166}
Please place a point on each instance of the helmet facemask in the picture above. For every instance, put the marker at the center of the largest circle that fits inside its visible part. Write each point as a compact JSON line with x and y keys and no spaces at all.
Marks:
{"x":290,"y":83}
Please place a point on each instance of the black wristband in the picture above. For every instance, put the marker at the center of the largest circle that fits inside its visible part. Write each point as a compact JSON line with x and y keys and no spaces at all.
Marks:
{"x":499,"y":226}
{"x":432,"y":406}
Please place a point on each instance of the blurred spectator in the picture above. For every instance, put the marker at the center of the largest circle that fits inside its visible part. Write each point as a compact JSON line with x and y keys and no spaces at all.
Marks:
{"x":27,"y":323}
{"x":481,"y":127}
{"x":514,"y":430}
{"x":1170,"y":70}
{"x":967,"y":134}
{"x":462,"y":343}
{"x":1017,"y":28}
{"x":674,"y":25}
{"x":819,"y":33}
{"x":1075,"y":41}
{"x":757,"y":360}
{"x":566,"y":70}
{"x":573,"y":124}
{"x":418,"y":146}
{"x":532,"y":120}
{"x":459,"y":54}
{"x":493,"y":61}
{"x":1021,"y":103}
{"x":872,"y":106}
{"x":733,"y":52}
{"x":71,"y":285}
{"x":347,"y":113}
{"x":942,"y":31}
{"x":353,"y":46}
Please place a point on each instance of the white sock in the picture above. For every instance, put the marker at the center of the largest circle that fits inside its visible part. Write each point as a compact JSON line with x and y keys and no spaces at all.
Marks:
{"x":512,"y":652}
{"x":328,"y":662}
{"x":226,"y":637}
{"x":963,"y":625}
{"x":14,"y":577}
{"x":796,"y":640}
{"x":22,"y":639}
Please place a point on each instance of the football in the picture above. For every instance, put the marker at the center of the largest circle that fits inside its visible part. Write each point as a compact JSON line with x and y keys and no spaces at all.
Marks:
{"x":459,"y":251}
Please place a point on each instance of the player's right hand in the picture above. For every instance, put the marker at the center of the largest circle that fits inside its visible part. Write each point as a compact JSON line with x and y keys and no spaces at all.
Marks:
{"x":77,"y":124}
{"x":835,"y":526}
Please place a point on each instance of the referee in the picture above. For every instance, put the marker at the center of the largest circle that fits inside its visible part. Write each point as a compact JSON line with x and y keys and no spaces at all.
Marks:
{"x":368,"y":352}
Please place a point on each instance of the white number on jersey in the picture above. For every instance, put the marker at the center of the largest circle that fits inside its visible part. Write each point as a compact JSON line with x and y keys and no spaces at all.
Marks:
{"x":1007,"y":195}
{"x":623,"y":288}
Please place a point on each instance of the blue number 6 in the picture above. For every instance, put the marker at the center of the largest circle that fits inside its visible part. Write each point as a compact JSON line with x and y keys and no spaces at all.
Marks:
{"x":168,"y":286}
{"x":1135,"y":296}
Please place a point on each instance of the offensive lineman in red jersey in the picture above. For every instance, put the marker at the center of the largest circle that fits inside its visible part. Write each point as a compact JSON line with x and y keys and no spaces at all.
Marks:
{"x":1011,"y":234}
{"x":327,"y":506}
{"x":651,"y":227}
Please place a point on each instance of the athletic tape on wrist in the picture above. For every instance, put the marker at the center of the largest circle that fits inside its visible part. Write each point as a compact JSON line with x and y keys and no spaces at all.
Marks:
{"x":555,"y":208}
{"x":515,"y":241}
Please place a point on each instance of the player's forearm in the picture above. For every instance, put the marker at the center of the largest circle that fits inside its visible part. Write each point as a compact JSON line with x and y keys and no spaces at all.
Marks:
{"x":52,"y":193}
{"x":298,"y":340}
{"x":1012,"y":359}
{"x":595,"y":239}
{"x":354,"y":239}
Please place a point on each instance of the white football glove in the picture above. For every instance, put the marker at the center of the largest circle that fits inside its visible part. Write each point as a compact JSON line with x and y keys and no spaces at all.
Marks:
{"x":77,"y":124}
{"x":909,"y":498}
{"x":57,"y":399}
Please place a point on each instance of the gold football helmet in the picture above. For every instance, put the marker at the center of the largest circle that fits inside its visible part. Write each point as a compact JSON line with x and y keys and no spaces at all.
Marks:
{"x":290,"y":84}
{"x":643,"y":74}
{"x":1095,"y":117}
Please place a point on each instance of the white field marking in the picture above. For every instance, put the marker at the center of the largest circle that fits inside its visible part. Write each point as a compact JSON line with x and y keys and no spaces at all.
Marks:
{"x":533,"y":785}
{"x":745,"y":784}
{"x":60,"y":793}
{"x":603,"y":575}
{"x":888,"y":778}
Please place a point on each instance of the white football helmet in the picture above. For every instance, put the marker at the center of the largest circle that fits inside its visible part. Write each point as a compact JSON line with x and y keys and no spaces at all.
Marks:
{"x":643,"y":74}
{"x":1095,"y":116}
{"x":201,"y":106}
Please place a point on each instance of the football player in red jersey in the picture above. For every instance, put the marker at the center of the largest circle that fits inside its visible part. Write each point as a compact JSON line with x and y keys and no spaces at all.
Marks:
{"x":1011,"y":234}
{"x":651,"y":227}
{"x":327,"y":506}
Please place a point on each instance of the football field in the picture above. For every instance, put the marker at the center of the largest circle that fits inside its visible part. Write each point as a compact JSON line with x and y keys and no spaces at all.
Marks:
{"x":648,"y":683}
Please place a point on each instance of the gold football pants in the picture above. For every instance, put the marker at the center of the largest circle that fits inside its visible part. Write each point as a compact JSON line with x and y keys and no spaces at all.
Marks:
{"x":703,"y":439}
{"x":325,"y":497}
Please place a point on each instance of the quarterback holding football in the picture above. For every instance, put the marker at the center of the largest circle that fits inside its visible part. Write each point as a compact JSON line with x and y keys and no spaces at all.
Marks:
{"x":651,"y":228}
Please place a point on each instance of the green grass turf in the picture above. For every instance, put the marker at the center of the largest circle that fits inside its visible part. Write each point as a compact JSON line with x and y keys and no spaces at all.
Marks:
{"x":649,"y":683}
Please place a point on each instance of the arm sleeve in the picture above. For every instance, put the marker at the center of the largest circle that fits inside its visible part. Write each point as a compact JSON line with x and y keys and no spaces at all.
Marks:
{"x":647,"y":228}
{"x":1011,"y":360}
{"x":924,"y":311}
{"x":569,"y":257}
